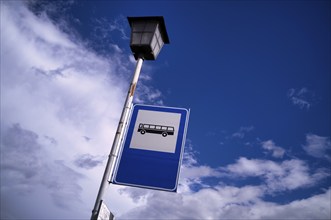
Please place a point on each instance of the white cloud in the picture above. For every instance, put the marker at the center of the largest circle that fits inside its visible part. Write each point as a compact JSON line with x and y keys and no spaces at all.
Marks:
{"x":277,"y":151}
{"x":104,"y":28}
{"x":192,"y":173}
{"x":315,"y":207}
{"x":282,"y":176}
{"x":242,"y":132}
{"x":303,"y":97}
{"x":204,"y":204}
{"x":318,"y":146}
{"x":88,"y":161}
{"x":148,"y":94}
{"x":60,"y":103}
{"x":53,"y":88}
{"x":54,"y":93}
{"x":228,"y":202}
{"x":222,"y":201}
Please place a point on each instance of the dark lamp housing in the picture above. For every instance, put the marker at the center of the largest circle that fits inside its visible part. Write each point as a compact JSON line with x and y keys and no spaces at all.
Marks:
{"x":148,"y":35}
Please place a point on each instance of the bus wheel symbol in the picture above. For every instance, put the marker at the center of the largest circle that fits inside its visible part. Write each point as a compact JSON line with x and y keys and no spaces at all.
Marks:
{"x":164,"y":134}
{"x":142,"y":132}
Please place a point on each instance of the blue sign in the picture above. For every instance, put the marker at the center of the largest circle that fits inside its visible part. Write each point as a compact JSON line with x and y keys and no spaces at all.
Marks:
{"x":153,"y":148}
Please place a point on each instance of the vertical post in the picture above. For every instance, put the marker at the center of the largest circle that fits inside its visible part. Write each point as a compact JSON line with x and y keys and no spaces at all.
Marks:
{"x":114,"y":150}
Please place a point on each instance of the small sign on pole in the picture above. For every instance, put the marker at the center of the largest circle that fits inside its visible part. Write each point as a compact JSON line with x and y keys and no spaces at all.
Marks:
{"x":104,"y":213}
{"x":153,"y":148}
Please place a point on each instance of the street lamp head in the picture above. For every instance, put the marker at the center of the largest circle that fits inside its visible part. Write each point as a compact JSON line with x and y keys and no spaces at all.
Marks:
{"x":148,"y":35}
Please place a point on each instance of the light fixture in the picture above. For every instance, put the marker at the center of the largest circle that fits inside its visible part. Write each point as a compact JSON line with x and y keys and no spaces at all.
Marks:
{"x":148,"y":35}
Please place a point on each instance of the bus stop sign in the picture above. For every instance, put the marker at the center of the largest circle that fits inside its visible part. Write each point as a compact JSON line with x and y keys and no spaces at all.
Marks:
{"x":153,"y":148}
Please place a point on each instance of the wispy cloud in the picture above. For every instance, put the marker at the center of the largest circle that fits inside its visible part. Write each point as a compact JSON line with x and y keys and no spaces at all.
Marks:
{"x":228,"y":202}
{"x":54,"y":92}
{"x":303,"y":98}
{"x":221,"y":201}
{"x":148,"y":94}
{"x":282,"y":176}
{"x":88,"y":161}
{"x":192,"y":173}
{"x":242,"y":132}
{"x":107,"y":32}
{"x":277,"y":152}
{"x":105,"y":28}
{"x":25,"y":167}
{"x":318,"y":146}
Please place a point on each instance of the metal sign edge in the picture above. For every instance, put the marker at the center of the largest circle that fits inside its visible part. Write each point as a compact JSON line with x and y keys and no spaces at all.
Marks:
{"x":113,"y":180}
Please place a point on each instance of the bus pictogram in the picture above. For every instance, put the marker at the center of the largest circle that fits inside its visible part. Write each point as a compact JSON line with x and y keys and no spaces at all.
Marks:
{"x":156,"y":129}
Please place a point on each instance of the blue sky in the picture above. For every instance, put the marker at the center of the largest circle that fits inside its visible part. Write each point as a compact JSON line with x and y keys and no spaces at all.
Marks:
{"x":255,"y":75}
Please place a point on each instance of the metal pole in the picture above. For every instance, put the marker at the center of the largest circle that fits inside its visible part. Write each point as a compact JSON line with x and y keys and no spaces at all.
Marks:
{"x":114,"y":150}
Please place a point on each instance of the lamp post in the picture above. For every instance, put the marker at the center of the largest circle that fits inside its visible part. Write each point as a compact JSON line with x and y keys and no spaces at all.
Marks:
{"x":148,"y":35}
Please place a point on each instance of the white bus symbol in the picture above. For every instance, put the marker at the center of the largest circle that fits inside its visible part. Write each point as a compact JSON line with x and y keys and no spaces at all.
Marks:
{"x":156,"y":129}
